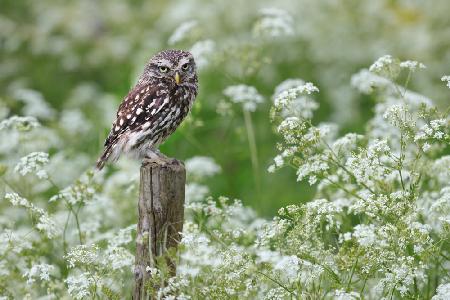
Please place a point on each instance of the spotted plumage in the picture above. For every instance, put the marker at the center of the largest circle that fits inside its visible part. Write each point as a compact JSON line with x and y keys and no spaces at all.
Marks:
{"x":154,"y":108}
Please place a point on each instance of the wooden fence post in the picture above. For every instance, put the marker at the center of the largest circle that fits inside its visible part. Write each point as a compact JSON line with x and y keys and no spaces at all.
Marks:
{"x":161,"y":216}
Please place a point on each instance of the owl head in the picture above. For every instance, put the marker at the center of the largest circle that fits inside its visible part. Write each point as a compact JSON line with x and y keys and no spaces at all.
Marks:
{"x":173,"y":67}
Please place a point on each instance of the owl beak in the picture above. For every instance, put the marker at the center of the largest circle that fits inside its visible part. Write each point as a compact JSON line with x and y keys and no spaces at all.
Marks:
{"x":177,"y":78}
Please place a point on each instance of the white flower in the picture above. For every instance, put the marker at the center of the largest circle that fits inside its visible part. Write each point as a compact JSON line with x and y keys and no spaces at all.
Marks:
{"x":343,"y":295}
{"x":395,"y":114}
{"x":385,"y":66}
{"x":365,"y":81}
{"x":82,"y":254}
{"x":412,"y":65}
{"x":346,"y":143}
{"x":74,"y":121}
{"x":201,"y":167}
{"x":33,"y":163}
{"x":39,"y":270}
{"x":287,"y":84}
{"x":15,"y":200}
{"x":245,"y":94}
{"x":304,"y":105}
{"x":442,"y":292}
{"x":288,"y":266}
{"x":35,"y":104}
{"x":79,"y":286}
{"x":20,"y":123}
{"x":45,"y":223}
{"x":365,"y":234}
{"x":194,"y":193}
{"x":118,"y":258}
{"x":446,"y":78}
{"x":182,"y":32}
{"x":274,"y":22}
{"x":202,"y":52}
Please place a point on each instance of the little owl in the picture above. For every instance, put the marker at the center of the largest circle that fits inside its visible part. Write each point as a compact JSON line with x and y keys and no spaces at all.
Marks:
{"x":154,"y":108}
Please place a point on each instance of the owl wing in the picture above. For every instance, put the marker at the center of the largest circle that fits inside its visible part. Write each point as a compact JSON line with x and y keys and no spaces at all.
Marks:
{"x":138,"y":109}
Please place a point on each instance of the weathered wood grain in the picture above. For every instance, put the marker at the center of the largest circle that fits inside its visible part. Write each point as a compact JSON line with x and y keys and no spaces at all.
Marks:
{"x":161,"y":216}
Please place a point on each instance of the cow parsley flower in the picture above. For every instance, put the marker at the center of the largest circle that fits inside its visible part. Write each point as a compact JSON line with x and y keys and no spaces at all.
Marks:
{"x":446,"y":79}
{"x":288,"y":266}
{"x":41,"y":271}
{"x":200,"y":167}
{"x":442,"y":292}
{"x":202,"y":52}
{"x":343,"y":295}
{"x":346,"y":143}
{"x":33,"y":163}
{"x":44,"y":222}
{"x":274,"y":22}
{"x":365,"y":234}
{"x":365,"y":81}
{"x":182,"y":32}
{"x":16,"y":200}
{"x":194,"y":193}
{"x":79,"y":286}
{"x":83,"y":190}
{"x":301,"y":106}
{"x":287,"y":96}
{"x":83,"y":255}
{"x":35,"y":104}
{"x":246,"y":95}
{"x":412,"y":65}
{"x":386,"y":66}
{"x":20,"y":123}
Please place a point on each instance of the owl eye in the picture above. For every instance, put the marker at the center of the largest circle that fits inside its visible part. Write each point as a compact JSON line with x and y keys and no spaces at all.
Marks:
{"x":163,"y":69}
{"x":185,"y":67}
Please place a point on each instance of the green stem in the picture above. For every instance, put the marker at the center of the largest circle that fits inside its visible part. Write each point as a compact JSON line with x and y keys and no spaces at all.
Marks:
{"x":351,"y":274}
{"x":252,"y":146}
{"x":277,"y":282}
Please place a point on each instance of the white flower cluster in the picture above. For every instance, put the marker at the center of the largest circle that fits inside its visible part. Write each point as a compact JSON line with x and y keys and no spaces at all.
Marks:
{"x":33,"y":163}
{"x":274,"y":22}
{"x":44,"y":224}
{"x":386,"y":66}
{"x":19,"y":123}
{"x":83,"y":255}
{"x":442,"y":292}
{"x":344,"y":295}
{"x":436,"y":131}
{"x":412,"y":65}
{"x":390,"y":67}
{"x":182,"y":32}
{"x":302,"y":105}
{"x":79,"y":286}
{"x":35,"y":104}
{"x":246,"y":95}
{"x":203,"y":52}
{"x":285,"y":98}
{"x":201,"y":167}
{"x":41,"y":271}
{"x":365,"y":81}
{"x":446,"y":79}
{"x":82,"y":191}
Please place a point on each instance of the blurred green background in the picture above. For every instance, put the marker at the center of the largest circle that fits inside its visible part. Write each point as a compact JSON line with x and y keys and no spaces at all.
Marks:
{"x":70,"y":63}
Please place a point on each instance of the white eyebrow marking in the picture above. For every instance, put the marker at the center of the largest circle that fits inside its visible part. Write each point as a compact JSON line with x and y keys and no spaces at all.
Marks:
{"x":164,"y":62}
{"x":183,"y":60}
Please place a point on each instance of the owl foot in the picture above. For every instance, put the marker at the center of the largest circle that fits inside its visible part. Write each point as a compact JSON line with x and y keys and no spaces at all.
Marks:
{"x":156,"y":156}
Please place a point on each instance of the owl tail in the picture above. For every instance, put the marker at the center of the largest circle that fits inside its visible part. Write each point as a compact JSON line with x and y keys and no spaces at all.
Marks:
{"x":104,"y":158}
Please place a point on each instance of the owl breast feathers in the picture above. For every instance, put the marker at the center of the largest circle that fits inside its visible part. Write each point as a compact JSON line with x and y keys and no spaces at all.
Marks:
{"x":154,"y":108}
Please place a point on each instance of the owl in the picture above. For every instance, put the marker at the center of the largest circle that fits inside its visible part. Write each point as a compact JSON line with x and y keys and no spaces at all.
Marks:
{"x":154,"y":108}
